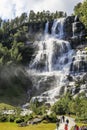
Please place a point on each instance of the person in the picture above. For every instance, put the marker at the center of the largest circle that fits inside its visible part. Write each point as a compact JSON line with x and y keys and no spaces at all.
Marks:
{"x":67,"y":121}
{"x":80,"y":128}
{"x":63,"y":118}
{"x":69,"y":113}
{"x":76,"y":127}
{"x":66,"y":126}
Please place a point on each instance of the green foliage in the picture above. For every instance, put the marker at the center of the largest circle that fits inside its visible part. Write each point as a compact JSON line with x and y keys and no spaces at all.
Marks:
{"x":1,"y":33}
{"x":81,"y":10}
{"x":50,"y":118}
{"x":45,"y":15}
{"x":77,"y":10}
{"x":11,"y":118}
{"x":3,"y":118}
{"x":37,"y":107}
{"x":16,"y":31}
{"x":14,"y":52}
{"x":67,"y":104}
{"x":19,"y":120}
{"x":61,"y":107}
{"x":28,"y":117}
{"x":4,"y":106}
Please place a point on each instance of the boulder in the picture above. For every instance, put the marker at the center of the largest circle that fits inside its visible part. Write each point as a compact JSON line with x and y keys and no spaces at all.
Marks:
{"x":22,"y":124}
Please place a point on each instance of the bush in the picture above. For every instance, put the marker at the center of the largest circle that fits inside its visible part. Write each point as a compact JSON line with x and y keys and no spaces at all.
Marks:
{"x":19,"y":120}
{"x":79,"y":119}
{"x":3,"y":118}
{"x":12,"y":118}
{"x":50,"y":118}
{"x":28,"y":117}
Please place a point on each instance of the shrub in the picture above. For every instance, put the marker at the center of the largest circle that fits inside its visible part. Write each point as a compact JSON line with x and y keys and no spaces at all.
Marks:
{"x":50,"y":118}
{"x":28,"y":117}
{"x":12,"y":118}
{"x":4,"y":118}
{"x":19,"y":120}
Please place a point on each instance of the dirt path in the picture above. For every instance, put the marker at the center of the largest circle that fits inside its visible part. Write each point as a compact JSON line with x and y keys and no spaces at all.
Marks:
{"x":71,"y":123}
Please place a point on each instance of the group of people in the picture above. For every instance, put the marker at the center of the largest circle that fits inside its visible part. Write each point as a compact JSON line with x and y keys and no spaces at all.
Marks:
{"x":76,"y":127}
{"x":66,"y":121}
{"x":62,"y":120}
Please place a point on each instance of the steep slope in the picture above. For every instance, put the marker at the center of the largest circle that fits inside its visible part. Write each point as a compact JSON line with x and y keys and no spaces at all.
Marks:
{"x":43,"y":60}
{"x":58,"y":63}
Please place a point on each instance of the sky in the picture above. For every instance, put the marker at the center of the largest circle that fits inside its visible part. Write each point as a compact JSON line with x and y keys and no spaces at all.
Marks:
{"x":12,"y":8}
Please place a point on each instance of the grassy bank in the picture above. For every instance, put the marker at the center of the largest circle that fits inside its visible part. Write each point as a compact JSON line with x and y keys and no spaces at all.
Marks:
{"x":13,"y":126}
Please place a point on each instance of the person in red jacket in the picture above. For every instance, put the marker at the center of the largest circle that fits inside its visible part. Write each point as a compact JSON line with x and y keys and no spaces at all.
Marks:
{"x":66,"y":127}
{"x":76,"y":127}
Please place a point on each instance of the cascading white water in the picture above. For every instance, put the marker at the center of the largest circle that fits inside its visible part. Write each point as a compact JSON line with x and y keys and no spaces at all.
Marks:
{"x":52,"y":61}
{"x":57,"y":28}
{"x":46,"y":28}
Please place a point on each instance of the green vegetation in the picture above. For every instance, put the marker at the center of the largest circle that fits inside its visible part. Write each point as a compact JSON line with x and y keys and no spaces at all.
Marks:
{"x":16,"y":52}
{"x":76,"y":106}
{"x":62,"y":106}
{"x":4,"y":106}
{"x":38,"y":108}
{"x":15,"y":33}
{"x":81,"y":10}
{"x":45,"y":15}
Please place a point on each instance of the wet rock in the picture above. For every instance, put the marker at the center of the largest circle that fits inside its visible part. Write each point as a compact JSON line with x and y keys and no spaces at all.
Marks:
{"x":50,"y":27}
{"x":78,"y":29}
{"x":76,"y":19}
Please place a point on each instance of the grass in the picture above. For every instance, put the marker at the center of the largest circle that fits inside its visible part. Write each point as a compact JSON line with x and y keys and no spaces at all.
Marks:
{"x":13,"y":126}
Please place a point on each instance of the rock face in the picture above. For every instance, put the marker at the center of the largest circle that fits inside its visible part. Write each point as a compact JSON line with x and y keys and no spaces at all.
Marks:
{"x":36,"y":27}
{"x":58,"y":61}
{"x":79,"y":63}
{"x":74,"y":30}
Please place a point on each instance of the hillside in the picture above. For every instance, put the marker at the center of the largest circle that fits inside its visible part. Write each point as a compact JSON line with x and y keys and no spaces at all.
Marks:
{"x":43,"y":55}
{"x":16,"y":51}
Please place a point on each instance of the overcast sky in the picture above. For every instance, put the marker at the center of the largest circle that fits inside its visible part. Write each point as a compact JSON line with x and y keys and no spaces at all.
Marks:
{"x":12,"y":8}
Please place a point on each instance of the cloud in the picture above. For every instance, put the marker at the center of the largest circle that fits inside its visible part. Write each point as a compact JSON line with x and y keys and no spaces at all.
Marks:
{"x":12,"y":8}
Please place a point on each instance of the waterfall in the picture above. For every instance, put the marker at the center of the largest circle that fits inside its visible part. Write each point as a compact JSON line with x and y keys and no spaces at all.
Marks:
{"x":53,"y":55}
{"x":54,"y":60}
{"x":57,"y":28}
{"x":46,"y":28}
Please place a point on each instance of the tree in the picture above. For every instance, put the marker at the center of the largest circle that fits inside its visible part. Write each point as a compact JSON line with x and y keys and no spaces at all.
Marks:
{"x":81,"y":10}
{"x":77,"y":9}
{"x":1,"y":33}
{"x":14,"y":51}
{"x":61,"y":107}
{"x":31,"y":16}
{"x":23,"y":18}
{"x":0,"y":22}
